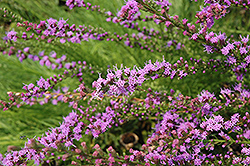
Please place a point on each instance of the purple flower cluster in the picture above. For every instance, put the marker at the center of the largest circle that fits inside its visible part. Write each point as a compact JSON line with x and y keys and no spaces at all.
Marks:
{"x":40,"y":93}
{"x":63,"y":136}
{"x":118,"y":85}
{"x":129,"y":10}
{"x":183,"y":138}
{"x":233,"y":51}
{"x":230,"y":97}
{"x":207,"y":15}
{"x":32,"y":92}
{"x":73,"y":3}
{"x":169,"y":144}
{"x":101,"y":122}
{"x":11,"y":36}
{"x":22,"y":156}
{"x":214,"y":42}
{"x":52,"y":61}
{"x":124,"y":81}
{"x":28,"y":97}
{"x":164,"y":4}
{"x":51,"y":29}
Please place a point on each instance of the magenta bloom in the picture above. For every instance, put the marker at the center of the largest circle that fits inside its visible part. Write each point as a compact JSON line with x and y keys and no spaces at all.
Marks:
{"x":129,"y":10}
{"x":12,"y":35}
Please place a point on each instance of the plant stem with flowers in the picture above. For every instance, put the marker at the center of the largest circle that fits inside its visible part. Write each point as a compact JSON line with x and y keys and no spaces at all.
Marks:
{"x":209,"y":129}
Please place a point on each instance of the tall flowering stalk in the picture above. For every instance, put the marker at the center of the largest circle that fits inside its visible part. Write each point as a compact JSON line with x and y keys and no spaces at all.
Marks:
{"x":209,"y":129}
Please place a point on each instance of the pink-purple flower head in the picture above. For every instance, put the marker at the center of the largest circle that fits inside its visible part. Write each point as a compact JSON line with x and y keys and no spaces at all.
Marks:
{"x":42,"y":83}
{"x":246,"y":134}
{"x":225,"y":50}
{"x":232,"y":124}
{"x":205,"y":96}
{"x":101,"y":122}
{"x":226,"y":91}
{"x":231,"y":60}
{"x":73,"y":3}
{"x":11,"y":35}
{"x":244,"y":39}
{"x":163,"y":3}
{"x":214,"y":123}
{"x":129,"y":10}
{"x":215,"y":10}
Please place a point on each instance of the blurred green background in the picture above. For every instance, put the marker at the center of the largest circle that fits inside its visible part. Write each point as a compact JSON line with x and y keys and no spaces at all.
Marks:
{"x":34,"y":120}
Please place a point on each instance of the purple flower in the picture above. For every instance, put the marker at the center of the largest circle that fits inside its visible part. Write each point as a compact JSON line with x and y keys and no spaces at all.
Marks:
{"x":36,"y":58}
{"x":208,"y":13}
{"x":243,"y":50}
{"x":233,"y":122}
{"x":205,"y":96}
{"x":61,"y":23}
{"x":178,"y":46}
{"x":245,"y":151}
{"x":182,"y":74}
{"x":68,"y":143}
{"x":31,"y":86}
{"x":226,"y":91}
{"x":109,"y":19}
{"x":247,"y":59}
{"x":12,"y":35}
{"x":101,"y":122}
{"x":126,"y":43}
{"x":109,"y":13}
{"x":129,"y":10}
{"x":194,"y":36}
{"x":67,"y":65}
{"x":54,"y":102}
{"x":210,"y":22}
{"x":51,"y":22}
{"x":214,"y":39}
{"x":169,"y":43}
{"x":206,"y":109}
{"x":115,"y":20}
{"x":237,"y":87}
{"x":215,"y":123}
{"x":41,"y":62}
{"x":163,"y":4}
{"x":230,"y":46}
{"x":244,"y":39}
{"x":43,"y":84}
{"x":231,"y":60}
{"x":62,"y":40}
{"x":26,"y":49}
{"x":208,"y":49}
{"x":222,"y":36}
{"x":246,"y":134}
{"x":48,"y":63}
{"x":224,"y":51}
